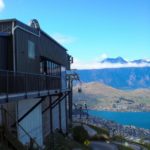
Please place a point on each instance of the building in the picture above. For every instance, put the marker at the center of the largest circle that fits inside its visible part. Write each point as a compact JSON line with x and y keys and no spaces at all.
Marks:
{"x":34,"y":93}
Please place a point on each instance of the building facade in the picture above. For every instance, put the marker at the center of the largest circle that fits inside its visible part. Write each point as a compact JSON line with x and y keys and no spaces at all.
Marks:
{"x":33,"y":85}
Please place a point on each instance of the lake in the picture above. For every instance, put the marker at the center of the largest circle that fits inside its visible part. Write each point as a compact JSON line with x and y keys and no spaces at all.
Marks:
{"x":138,"y":119}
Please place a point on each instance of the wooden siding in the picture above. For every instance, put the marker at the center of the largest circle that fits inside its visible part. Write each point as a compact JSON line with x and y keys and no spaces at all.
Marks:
{"x":6,"y":53}
{"x":44,"y":47}
{"x":24,"y":63}
{"x":6,"y":27}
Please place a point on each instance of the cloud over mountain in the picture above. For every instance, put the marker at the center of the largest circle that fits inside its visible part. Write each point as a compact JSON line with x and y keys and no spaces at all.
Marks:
{"x":118,"y":62}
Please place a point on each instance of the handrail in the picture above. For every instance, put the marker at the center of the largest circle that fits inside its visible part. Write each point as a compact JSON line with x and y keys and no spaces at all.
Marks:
{"x":28,"y":73}
{"x":19,"y":82}
{"x":22,"y":128}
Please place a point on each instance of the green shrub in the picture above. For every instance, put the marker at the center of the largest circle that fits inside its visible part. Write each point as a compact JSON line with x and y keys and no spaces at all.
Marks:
{"x":80,"y":134}
{"x":122,"y":147}
{"x":100,"y":130}
{"x":118,"y":138}
{"x":102,"y":137}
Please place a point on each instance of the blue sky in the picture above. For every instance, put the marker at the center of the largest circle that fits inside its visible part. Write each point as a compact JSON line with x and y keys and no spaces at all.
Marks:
{"x":90,"y":29}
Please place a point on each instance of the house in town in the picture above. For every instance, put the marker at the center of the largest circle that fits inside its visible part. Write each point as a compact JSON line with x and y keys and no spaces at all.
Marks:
{"x":34,"y":92}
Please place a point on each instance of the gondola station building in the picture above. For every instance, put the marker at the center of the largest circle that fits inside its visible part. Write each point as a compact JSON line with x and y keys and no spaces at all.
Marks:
{"x":34,"y":92}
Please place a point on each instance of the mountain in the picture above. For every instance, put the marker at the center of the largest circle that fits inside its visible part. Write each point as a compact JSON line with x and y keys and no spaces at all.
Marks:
{"x":114,"y":60}
{"x":139,"y":61}
{"x":100,"y":96}
{"x":120,"y":78}
{"x":120,"y":60}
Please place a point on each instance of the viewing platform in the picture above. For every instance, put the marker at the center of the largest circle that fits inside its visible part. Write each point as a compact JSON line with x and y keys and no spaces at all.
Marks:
{"x":15,"y":86}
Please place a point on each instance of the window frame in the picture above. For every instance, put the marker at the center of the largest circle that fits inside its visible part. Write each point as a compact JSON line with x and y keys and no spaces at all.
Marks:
{"x":31,"y":50}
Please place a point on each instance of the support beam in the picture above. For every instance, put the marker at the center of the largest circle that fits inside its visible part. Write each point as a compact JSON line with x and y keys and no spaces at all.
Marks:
{"x":51,"y":116}
{"x":60,"y":125}
{"x":30,"y":110}
{"x":52,"y":103}
{"x":66,"y":113}
{"x":55,"y":103}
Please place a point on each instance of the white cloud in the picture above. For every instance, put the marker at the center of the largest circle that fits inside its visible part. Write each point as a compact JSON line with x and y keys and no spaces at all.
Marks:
{"x":2,"y":5}
{"x":78,"y":64}
{"x":103,"y":56}
{"x":63,"y":39}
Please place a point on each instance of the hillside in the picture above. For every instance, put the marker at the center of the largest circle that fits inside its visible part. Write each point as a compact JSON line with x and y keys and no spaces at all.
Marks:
{"x":103,"y":97}
{"x":120,"y":78}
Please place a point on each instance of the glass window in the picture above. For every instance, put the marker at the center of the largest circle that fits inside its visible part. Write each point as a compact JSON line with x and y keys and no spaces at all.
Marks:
{"x":31,"y":49}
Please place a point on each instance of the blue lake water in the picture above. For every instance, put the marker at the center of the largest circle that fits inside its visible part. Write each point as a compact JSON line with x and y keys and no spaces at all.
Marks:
{"x":138,"y":119}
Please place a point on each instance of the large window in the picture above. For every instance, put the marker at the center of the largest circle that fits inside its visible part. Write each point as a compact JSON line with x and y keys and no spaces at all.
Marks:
{"x":31,"y":49}
{"x":50,"y":68}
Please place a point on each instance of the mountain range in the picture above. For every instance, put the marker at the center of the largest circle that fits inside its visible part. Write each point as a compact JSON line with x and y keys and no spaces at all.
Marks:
{"x":124,"y":78}
{"x":123,"y":61}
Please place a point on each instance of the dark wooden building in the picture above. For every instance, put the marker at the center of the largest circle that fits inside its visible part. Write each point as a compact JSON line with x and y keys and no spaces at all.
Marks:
{"x":33,"y":68}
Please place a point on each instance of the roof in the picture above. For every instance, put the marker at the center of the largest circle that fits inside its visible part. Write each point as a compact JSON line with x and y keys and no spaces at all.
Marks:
{"x":15,"y":20}
{"x":8,"y":20}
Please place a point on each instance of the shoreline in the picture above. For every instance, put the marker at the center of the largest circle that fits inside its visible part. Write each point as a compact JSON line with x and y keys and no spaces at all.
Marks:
{"x":129,"y":132}
{"x":137,"y":119}
{"x":119,"y":110}
{"x":111,"y":110}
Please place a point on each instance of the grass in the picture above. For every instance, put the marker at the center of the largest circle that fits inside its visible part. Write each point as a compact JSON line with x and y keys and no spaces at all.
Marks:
{"x":146,"y":145}
{"x":122,"y":147}
{"x":58,"y":141}
{"x":118,"y":138}
{"x":100,"y":130}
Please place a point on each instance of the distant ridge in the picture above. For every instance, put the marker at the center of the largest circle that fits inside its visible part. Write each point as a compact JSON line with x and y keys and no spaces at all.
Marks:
{"x":120,"y":78}
{"x":138,"y":61}
{"x":114,"y":60}
{"x":121,"y":60}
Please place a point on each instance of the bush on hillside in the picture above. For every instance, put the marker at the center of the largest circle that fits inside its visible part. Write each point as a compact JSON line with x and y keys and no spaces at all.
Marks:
{"x":122,"y":147}
{"x":100,"y":130}
{"x":118,"y":138}
{"x":80,"y":134}
{"x":102,"y":137}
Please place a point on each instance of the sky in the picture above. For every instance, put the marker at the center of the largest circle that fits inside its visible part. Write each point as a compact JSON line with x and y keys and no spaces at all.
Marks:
{"x":90,"y":30}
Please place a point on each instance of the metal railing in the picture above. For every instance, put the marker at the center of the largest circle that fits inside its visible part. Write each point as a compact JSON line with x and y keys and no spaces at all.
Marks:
{"x":18,"y":82}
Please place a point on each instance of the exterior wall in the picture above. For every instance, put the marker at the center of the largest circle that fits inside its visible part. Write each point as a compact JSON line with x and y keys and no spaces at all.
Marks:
{"x":63,"y":102}
{"x":55,"y":116}
{"x":24,"y":63}
{"x":5,"y":53}
{"x":46,"y":118}
{"x":9,"y":118}
{"x":32,"y":123}
{"x":63,"y":77}
{"x":45,"y":46}
{"x":63,"y":116}
{"x":6,"y":26}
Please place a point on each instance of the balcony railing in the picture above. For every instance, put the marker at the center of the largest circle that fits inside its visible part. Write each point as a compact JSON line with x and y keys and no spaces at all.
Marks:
{"x":16,"y":82}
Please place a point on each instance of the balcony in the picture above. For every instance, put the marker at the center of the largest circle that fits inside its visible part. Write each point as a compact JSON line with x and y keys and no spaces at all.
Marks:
{"x":17,"y":85}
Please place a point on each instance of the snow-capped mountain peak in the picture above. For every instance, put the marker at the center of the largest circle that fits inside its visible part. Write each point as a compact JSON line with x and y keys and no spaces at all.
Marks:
{"x":114,"y":60}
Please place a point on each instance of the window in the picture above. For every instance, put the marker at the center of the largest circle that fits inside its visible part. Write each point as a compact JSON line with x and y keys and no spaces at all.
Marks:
{"x":31,"y":49}
{"x":50,"y":68}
